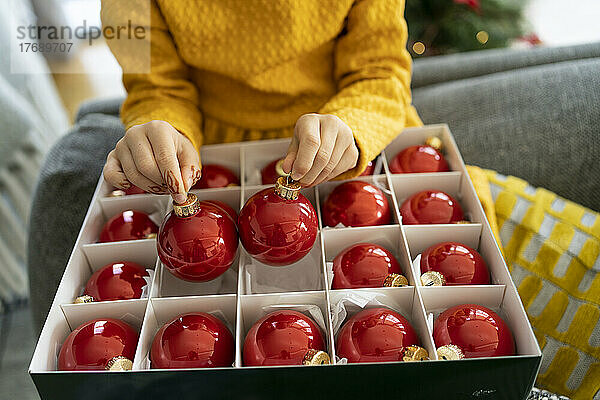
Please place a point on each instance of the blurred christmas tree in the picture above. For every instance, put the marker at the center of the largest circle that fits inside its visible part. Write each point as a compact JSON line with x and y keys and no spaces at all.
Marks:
{"x":450,"y":26}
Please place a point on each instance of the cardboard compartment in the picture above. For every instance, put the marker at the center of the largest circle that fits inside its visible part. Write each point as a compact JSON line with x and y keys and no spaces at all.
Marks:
{"x":162,"y":311}
{"x":380,"y":181}
{"x":254,"y":307}
{"x":227,"y":155}
{"x":416,"y":136}
{"x":389,"y":237}
{"x":63,"y":320}
{"x":230,"y":196}
{"x":257,"y":155}
{"x":404,"y":300}
{"x":438,"y":299}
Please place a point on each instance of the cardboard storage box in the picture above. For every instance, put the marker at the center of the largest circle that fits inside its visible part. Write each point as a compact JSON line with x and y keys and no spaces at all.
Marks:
{"x":250,"y":289}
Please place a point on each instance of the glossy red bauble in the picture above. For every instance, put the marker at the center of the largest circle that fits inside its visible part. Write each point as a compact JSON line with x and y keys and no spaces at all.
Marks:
{"x":271,"y":172}
{"x":94,"y":344}
{"x":200,"y":246}
{"x":194,"y":340}
{"x":134,"y":190}
{"x":225,"y":207}
{"x":277,"y":231}
{"x":460,"y":264}
{"x":216,"y":176}
{"x":420,"y":158}
{"x":117,"y":281}
{"x":375,"y":335}
{"x":356,"y":203}
{"x":369,"y":170}
{"x":431,"y":207}
{"x":128,"y":225}
{"x":282,"y":338}
{"x":363,"y":265}
{"x":476,"y":330}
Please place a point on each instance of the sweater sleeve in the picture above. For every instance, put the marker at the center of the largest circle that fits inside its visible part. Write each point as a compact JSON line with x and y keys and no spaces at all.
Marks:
{"x":160,"y":89}
{"x":372,"y":73}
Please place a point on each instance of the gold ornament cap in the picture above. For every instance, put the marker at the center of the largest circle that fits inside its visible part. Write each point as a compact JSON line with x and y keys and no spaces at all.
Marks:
{"x":279,"y":168}
{"x":119,"y":363}
{"x":450,"y":352}
{"x":116,"y":193}
{"x":84,"y":299}
{"x":287,"y":188}
{"x":188,"y":208}
{"x":415,"y":353}
{"x":434,"y":142}
{"x":395,"y":280}
{"x":150,"y":236}
{"x":316,"y":357}
{"x":433,"y":278}
{"x":462,"y":222}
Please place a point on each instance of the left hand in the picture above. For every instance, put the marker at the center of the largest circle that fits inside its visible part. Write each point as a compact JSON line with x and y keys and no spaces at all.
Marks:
{"x":322,"y":148}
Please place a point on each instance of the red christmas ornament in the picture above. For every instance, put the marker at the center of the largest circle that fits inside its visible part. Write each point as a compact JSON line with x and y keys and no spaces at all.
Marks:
{"x":100,"y":344}
{"x":377,"y":335}
{"x":356,"y":203}
{"x":278,"y":226}
{"x":117,"y":281}
{"x":128,"y":225}
{"x":272,"y":171}
{"x":225,"y":207}
{"x":197,"y":241}
{"x":420,"y":158}
{"x":364,"y":265}
{"x":284,"y":337}
{"x":431,"y":207}
{"x":216,"y":176}
{"x":475,"y":330}
{"x":194,"y":340}
{"x":369,"y":170}
{"x":459,"y":264}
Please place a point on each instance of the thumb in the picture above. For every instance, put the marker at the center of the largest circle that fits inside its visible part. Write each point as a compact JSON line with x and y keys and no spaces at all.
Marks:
{"x":289,"y":159}
{"x":189,"y":163}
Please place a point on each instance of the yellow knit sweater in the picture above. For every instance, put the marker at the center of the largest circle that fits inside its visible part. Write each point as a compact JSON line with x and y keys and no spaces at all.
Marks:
{"x":236,"y":70}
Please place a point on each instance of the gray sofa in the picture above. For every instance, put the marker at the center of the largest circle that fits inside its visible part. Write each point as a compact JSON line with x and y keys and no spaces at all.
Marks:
{"x":532,"y":113}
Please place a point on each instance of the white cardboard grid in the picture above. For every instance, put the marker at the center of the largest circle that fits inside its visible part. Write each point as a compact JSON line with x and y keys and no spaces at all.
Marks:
{"x":163,"y":310}
{"x":227,"y":155}
{"x":56,"y":327}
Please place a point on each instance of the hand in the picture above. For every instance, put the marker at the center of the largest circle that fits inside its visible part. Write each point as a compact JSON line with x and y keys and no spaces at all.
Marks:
{"x":322,"y":148}
{"x":156,"y":158}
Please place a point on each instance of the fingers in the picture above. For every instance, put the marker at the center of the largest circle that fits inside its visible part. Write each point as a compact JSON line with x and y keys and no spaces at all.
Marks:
{"x":291,"y":155}
{"x":336,"y":156}
{"x":113,"y":172}
{"x":161,"y":136}
{"x":189,"y":162}
{"x":131,"y":172}
{"x":142,"y":154}
{"x":307,"y":131}
{"x":329,"y":132}
{"x":348,"y":161}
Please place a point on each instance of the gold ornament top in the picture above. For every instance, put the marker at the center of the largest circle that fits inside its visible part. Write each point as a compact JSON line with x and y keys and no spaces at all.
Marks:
{"x":415,"y":353}
{"x":279,"y":168}
{"x":119,"y":363}
{"x":188,"y":208}
{"x":287,"y":188}
{"x":434,"y":142}
{"x":450,"y":352}
{"x":433,"y":278}
{"x":395,"y":280}
{"x":84,"y":299}
{"x":316,"y":357}
{"x":462,"y":222}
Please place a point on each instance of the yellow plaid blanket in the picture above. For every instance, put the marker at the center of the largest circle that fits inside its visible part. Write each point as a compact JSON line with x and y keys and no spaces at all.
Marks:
{"x":552,"y":248}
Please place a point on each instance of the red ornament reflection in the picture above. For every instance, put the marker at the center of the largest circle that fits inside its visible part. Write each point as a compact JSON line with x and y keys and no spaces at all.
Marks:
{"x":460,"y":264}
{"x":431,"y":207}
{"x":271,"y":172}
{"x":356,"y":203}
{"x":93,"y":344}
{"x":416,"y":159}
{"x":281,"y":338}
{"x":225,"y":207}
{"x":117,"y":281}
{"x":128,"y":225}
{"x":193,"y":340}
{"x":369,"y":170}
{"x":477,"y":330}
{"x":375,"y":335}
{"x":363,"y":265}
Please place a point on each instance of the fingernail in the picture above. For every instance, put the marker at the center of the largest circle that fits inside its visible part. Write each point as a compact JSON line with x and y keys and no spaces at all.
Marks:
{"x":190,"y":182}
{"x":296,"y":176}
{"x":179,"y":198}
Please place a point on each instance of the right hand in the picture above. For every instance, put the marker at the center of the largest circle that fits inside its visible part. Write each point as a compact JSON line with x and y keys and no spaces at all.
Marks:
{"x":156,"y":158}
